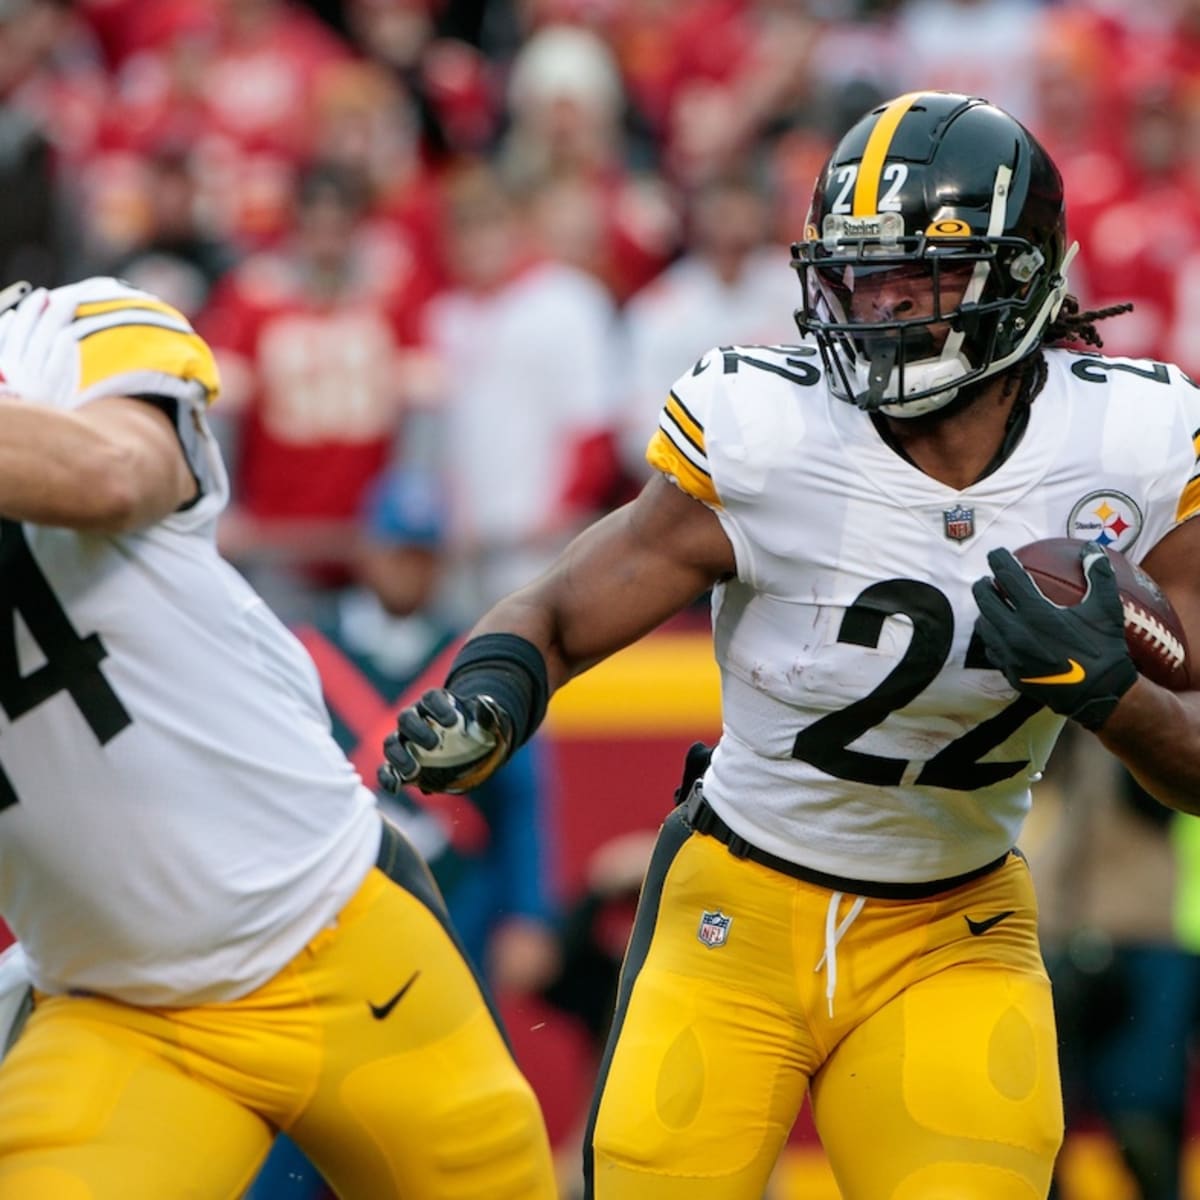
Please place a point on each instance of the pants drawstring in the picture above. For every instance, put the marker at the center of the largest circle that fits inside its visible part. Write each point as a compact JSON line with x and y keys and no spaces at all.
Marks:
{"x":834,"y":933}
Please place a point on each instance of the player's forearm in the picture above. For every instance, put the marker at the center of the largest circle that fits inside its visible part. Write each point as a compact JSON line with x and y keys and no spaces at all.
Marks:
{"x":605,"y":592}
{"x":58,"y":468}
{"x":54,"y":470}
{"x":1156,"y":734}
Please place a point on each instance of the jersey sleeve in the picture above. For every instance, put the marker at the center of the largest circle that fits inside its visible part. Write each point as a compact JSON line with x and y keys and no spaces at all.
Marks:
{"x":129,"y":343}
{"x":1175,"y":494}
{"x":729,"y":426}
{"x":121,"y":341}
{"x":679,"y":446}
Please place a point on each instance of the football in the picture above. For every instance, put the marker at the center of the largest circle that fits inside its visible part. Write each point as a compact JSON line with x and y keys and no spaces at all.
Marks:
{"x":1153,"y":632}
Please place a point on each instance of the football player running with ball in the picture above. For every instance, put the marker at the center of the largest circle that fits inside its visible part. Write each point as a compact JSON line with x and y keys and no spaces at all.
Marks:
{"x":836,"y":907}
{"x":224,"y":937}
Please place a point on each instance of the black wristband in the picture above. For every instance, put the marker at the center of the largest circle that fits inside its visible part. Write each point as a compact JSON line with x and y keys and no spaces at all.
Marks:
{"x":511,"y":671}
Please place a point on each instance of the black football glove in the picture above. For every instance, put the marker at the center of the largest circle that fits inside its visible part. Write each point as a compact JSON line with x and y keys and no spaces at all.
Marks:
{"x":1073,"y":658}
{"x":445,"y":743}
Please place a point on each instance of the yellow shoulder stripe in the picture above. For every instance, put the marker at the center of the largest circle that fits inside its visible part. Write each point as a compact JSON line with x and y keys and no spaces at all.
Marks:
{"x":663,"y":455}
{"x":1189,"y":500}
{"x":688,"y":425}
{"x":1196,"y":443}
{"x":124,"y":349}
{"x":97,"y":308}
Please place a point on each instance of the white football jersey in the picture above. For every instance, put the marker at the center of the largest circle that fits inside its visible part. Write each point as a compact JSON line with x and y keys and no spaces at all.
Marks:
{"x":176,"y":820}
{"x":865,"y":733}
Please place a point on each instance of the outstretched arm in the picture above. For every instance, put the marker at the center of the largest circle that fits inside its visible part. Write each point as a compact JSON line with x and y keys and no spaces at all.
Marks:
{"x":617,"y":581}
{"x":614,"y":583}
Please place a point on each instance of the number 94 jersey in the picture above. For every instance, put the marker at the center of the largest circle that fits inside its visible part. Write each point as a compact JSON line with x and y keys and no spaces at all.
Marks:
{"x":176,"y":821}
{"x":866,"y":734}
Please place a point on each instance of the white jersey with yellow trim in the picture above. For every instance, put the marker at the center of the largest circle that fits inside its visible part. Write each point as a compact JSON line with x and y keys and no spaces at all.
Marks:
{"x":865,"y":734}
{"x":176,"y":820}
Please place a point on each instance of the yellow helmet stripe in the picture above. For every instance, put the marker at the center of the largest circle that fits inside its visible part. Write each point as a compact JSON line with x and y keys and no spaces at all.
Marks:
{"x":870,"y":170}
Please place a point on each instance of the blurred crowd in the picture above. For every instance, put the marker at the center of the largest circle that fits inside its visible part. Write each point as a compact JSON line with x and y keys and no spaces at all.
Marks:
{"x":469,"y":243}
{"x":452,"y":253}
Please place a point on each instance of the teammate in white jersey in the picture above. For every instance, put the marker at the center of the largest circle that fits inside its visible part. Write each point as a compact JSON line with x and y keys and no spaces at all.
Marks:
{"x":836,"y":907}
{"x":224,"y":937}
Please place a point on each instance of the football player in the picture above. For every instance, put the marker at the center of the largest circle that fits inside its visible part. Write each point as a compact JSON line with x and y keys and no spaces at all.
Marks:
{"x":836,"y":907}
{"x":225,"y":939}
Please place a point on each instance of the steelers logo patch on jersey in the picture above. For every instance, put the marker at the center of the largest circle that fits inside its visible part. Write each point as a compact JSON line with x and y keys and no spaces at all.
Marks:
{"x":1108,"y":517}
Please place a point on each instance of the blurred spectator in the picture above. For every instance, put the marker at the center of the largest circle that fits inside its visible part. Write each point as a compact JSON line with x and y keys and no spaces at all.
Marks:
{"x":236,"y":81}
{"x":492,"y":852}
{"x":52,"y":92}
{"x":127,"y":27}
{"x":310,"y":340}
{"x":1130,"y":257}
{"x":731,"y":287}
{"x":31,"y":243}
{"x":981,"y":47}
{"x":1078,"y":115}
{"x":454,"y":85}
{"x":174,"y":258}
{"x":525,"y":351}
{"x":365,"y":122}
{"x":51,"y":70}
{"x":1125,"y":990}
{"x":566,"y":138}
{"x":754,"y":73}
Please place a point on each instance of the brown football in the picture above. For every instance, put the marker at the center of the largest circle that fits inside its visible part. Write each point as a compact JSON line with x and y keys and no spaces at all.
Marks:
{"x":1153,"y":632}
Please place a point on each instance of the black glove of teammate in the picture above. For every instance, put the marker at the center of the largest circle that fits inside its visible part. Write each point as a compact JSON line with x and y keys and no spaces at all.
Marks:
{"x":1073,"y":658}
{"x":446,"y":744}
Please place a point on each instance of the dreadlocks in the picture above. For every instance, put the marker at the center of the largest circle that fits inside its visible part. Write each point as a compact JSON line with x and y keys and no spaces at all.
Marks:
{"x":1071,"y":325}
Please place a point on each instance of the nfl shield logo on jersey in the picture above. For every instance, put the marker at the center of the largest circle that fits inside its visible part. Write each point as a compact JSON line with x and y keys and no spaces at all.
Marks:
{"x":714,"y":929}
{"x":959,"y":523}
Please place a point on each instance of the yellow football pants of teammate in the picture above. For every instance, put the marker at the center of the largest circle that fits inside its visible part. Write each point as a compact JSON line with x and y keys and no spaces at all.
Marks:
{"x":374,"y":1049}
{"x":923,"y":1029}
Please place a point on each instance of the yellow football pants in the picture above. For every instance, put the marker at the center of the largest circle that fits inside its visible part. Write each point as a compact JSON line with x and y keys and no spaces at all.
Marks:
{"x":927,"y":1043}
{"x":374,"y":1049}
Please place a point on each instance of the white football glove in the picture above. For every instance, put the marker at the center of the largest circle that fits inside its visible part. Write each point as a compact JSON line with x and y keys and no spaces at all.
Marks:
{"x":33,"y":357}
{"x":16,"y":996}
{"x":444,"y":743}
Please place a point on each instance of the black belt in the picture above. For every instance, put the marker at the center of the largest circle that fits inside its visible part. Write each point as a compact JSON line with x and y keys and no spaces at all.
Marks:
{"x":391,"y":845}
{"x":699,"y":815}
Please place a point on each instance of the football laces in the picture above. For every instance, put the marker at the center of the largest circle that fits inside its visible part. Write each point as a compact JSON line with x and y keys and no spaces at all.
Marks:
{"x":1151,"y":630}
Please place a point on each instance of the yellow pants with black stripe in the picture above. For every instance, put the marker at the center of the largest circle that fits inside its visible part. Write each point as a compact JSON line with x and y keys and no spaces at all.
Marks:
{"x":929,"y":1054}
{"x":375,"y":1049}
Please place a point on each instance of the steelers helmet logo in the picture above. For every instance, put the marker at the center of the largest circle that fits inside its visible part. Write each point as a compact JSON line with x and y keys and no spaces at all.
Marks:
{"x":1110,"y":518}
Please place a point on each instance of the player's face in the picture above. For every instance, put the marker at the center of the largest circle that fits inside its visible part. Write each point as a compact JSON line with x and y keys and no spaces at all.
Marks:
{"x":912,"y":292}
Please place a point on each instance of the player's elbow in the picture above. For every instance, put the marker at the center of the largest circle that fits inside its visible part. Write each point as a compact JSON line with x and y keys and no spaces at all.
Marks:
{"x":118,"y":493}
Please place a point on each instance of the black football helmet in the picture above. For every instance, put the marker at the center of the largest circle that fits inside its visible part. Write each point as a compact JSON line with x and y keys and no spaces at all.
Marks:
{"x":952,"y":189}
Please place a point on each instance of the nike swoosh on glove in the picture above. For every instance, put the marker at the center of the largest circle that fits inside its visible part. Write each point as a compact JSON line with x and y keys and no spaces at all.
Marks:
{"x":1071,"y":658}
{"x":445,"y":743}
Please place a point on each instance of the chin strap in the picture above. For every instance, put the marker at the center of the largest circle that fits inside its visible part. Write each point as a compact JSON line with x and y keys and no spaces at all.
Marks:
{"x":879,"y":373}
